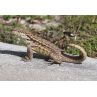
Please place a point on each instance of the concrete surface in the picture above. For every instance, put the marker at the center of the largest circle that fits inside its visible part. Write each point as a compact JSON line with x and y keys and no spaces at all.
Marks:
{"x":14,"y":69}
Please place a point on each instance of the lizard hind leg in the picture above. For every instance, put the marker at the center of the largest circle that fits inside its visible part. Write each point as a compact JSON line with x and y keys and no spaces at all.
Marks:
{"x":56,"y":58}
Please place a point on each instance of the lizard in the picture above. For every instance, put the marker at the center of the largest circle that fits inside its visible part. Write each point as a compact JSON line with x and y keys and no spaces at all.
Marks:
{"x":45,"y":47}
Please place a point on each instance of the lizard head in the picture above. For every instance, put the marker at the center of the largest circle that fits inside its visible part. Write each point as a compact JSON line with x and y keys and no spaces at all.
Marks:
{"x":20,"y":33}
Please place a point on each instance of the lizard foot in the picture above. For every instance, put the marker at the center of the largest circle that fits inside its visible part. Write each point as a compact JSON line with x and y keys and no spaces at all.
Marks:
{"x":26,"y":59}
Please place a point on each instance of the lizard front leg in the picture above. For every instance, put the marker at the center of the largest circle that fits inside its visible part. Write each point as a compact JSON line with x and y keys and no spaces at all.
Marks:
{"x":29,"y":53}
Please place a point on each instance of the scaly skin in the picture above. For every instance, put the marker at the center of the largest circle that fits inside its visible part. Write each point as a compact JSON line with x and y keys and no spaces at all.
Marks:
{"x":47,"y":48}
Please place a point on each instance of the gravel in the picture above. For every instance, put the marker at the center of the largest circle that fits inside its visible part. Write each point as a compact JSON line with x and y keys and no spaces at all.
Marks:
{"x":14,"y":69}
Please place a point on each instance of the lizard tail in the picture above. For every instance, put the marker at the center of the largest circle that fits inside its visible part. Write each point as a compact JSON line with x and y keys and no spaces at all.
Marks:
{"x":73,"y":58}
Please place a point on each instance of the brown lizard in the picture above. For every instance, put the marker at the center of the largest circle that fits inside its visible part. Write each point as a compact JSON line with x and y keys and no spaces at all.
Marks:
{"x":49,"y":49}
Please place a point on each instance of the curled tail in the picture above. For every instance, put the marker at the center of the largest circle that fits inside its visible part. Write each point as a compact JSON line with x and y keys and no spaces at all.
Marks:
{"x":73,"y":58}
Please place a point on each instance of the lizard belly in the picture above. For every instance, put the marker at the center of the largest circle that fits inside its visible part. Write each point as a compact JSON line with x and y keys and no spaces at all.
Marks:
{"x":41,"y":50}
